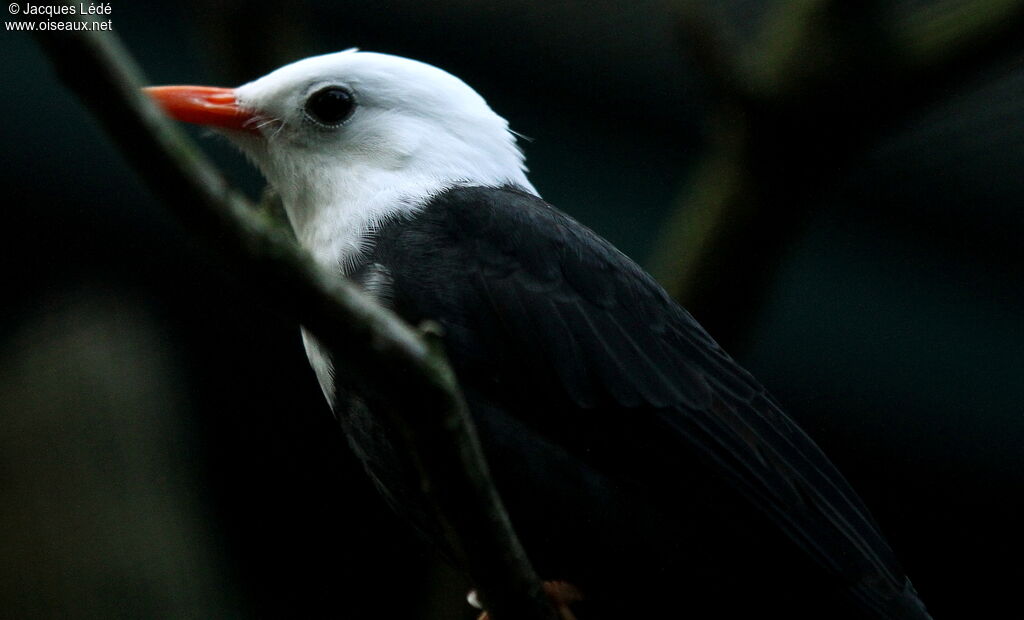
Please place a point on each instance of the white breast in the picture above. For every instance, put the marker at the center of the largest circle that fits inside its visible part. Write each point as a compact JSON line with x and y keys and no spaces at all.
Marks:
{"x":321,"y":364}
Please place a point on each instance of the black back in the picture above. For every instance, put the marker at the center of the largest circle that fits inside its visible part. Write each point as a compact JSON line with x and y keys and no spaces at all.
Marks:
{"x":630,"y":449}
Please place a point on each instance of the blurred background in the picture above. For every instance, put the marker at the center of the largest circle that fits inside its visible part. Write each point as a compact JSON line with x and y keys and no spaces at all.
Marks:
{"x":835,"y":191}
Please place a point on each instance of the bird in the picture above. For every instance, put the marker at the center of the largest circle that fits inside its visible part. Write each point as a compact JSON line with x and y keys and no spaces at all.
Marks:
{"x":641,"y":466}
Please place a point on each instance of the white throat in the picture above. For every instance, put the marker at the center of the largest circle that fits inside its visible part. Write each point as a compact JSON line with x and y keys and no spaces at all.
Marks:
{"x":335,"y":209}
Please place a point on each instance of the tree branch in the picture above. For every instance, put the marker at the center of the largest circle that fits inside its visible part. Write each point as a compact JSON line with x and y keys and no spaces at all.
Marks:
{"x":824,"y":79}
{"x":370,"y":343}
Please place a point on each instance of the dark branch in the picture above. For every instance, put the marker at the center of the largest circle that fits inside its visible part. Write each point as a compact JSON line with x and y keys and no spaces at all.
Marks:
{"x":824,"y":81}
{"x":374,"y":344}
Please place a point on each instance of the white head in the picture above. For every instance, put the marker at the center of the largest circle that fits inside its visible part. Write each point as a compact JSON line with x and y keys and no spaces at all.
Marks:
{"x":351,"y":138}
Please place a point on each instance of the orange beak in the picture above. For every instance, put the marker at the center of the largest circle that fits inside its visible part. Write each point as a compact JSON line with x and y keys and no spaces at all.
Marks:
{"x":203,"y":105}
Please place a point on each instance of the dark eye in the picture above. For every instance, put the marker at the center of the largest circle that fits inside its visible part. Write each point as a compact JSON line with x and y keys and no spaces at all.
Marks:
{"x":330,"y":106}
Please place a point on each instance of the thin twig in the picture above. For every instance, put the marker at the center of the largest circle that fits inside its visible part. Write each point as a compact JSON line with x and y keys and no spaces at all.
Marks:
{"x":372,"y":344}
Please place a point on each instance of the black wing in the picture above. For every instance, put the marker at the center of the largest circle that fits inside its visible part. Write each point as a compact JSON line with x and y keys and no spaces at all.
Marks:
{"x":512,"y":276}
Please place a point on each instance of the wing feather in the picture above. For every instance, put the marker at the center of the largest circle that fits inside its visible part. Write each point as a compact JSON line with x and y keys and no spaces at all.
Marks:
{"x":577,"y":312}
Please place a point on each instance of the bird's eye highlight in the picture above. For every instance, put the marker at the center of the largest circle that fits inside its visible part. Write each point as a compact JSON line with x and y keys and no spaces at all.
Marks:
{"x":330,"y":106}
